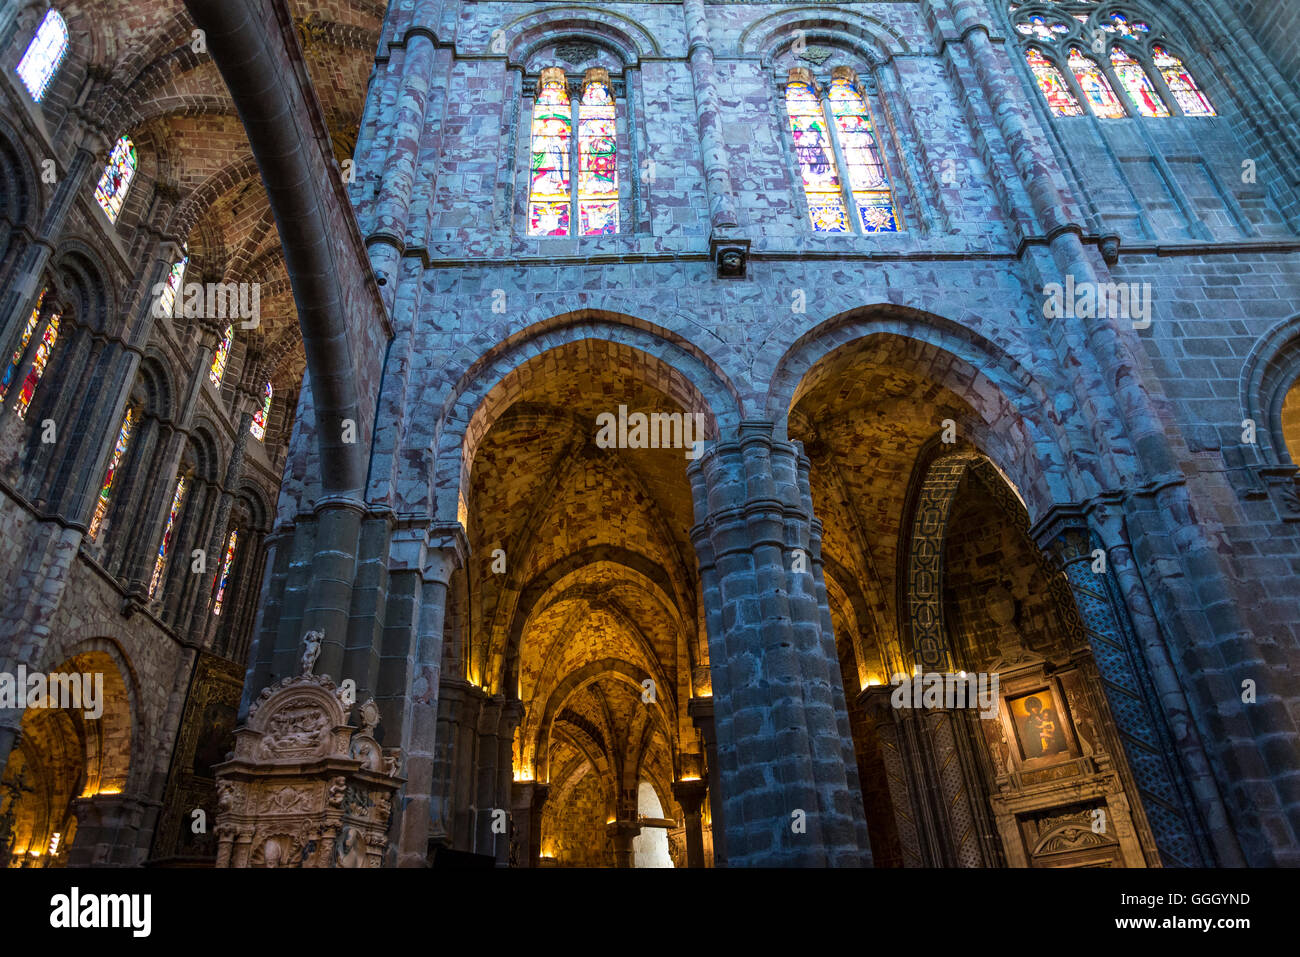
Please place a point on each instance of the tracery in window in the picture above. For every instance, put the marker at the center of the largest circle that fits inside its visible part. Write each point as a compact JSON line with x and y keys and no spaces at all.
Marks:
{"x":116,"y":180}
{"x":44,"y":55}
{"x":1060,"y":99}
{"x":1136,"y":84}
{"x":1096,"y":88}
{"x":218,"y":368}
{"x":1186,"y":93}
{"x":258,"y":428}
{"x":114,"y":463}
{"x":160,"y":564}
{"x":815,"y":153}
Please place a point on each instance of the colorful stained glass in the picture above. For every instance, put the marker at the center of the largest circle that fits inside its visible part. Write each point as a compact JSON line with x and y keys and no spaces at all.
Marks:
{"x":161,"y":563}
{"x":1060,"y":99}
{"x":258,"y":428}
{"x":17,"y":359}
{"x":549,"y":196}
{"x":218,"y":368}
{"x":1118,"y":23}
{"x":44,"y":55}
{"x":1186,"y":93}
{"x":597,"y":161}
{"x":816,"y":155}
{"x":868,"y":180}
{"x":1037,"y":26}
{"x":1096,"y":88}
{"x":168,"y":298}
{"x":223,"y":576}
{"x":117,"y":177}
{"x":114,"y":463}
{"x":42,"y":356}
{"x":1136,"y":84}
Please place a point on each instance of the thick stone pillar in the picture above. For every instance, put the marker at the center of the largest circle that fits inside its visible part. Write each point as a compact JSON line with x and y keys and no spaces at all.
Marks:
{"x":623,"y":833}
{"x":789,"y":775}
{"x":110,"y":831}
{"x":528,"y":800}
{"x":690,"y":795}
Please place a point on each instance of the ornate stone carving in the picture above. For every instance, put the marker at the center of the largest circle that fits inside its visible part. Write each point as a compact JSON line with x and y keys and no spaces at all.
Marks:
{"x":304,"y":788}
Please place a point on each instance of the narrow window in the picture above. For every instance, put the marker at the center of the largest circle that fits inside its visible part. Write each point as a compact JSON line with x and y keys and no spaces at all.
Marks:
{"x":258,"y":428}
{"x":223,"y":576}
{"x":868,"y":180}
{"x":1096,"y":88}
{"x":816,"y":155}
{"x":117,"y":177}
{"x":1060,"y":100}
{"x":44,"y":55}
{"x":114,"y":463}
{"x":161,"y":563}
{"x":218,"y":368}
{"x":167,"y":301}
{"x":17,"y":359}
{"x":42,"y":356}
{"x":548,"y":191}
{"x":597,"y":157}
{"x":1186,"y":93}
{"x":1137,"y":85}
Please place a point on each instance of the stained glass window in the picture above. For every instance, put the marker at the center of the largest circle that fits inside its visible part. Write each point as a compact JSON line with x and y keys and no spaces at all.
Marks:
{"x":868,"y":180}
{"x":1096,"y":88}
{"x":114,"y":463}
{"x":44,"y":55}
{"x":117,"y":177}
{"x":219,"y":360}
{"x":549,"y":192}
{"x":1060,"y":99}
{"x":1186,"y":93}
{"x":17,"y":359}
{"x":1137,"y":85}
{"x":816,"y":155}
{"x":223,"y":576}
{"x":597,"y":160}
{"x":161,"y":563}
{"x":258,"y":428}
{"x":167,"y":301}
{"x":38,"y":366}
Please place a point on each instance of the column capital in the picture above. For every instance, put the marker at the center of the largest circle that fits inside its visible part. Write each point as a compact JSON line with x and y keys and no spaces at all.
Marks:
{"x":690,"y":795}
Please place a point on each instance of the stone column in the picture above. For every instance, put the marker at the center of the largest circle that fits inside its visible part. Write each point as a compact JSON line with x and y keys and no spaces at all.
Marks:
{"x":436,"y":556}
{"x":387,"y":240}
{"x":511,"y":713}
{"x":701,"y":714}
{"x":108,"y":831}
{"x":789,"y":777}
{"x":690,"y":795}
{"x":16,"y":302}
{"x":623,"y":833}
{"x":726,"y":246}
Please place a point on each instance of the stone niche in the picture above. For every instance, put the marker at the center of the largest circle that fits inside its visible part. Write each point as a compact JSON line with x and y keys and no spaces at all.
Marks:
{"x":304,"y":788}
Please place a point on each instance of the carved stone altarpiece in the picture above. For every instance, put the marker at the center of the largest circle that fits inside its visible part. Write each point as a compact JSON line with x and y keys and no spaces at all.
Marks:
{"x":304,"y":788}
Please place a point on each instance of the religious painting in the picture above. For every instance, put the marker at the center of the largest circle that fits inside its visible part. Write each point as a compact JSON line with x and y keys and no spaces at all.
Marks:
{"x":1039,"y":724}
